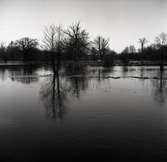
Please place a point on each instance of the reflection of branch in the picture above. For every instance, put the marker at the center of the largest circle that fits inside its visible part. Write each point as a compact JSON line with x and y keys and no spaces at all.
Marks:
{"x":77,"y":83}
{"x":160,"y":91}
{"x":54,"y":97}
{"x":24,"y":74}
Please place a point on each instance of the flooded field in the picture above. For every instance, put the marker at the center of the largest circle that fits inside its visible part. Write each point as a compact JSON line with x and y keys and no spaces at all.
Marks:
{"x":118,"y":112}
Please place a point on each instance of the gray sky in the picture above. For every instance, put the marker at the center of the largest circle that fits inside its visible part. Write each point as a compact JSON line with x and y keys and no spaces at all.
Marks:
{"x":122,"y":21}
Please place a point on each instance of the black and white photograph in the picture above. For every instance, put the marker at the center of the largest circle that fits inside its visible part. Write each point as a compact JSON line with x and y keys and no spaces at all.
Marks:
{"x":83,"y":80}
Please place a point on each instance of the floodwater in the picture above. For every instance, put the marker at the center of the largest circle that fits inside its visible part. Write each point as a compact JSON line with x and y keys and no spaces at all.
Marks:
{"x":118,"y":113}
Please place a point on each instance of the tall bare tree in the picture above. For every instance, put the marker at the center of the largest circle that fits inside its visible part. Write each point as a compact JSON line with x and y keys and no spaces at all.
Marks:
{"x":2,"y":47}
{"x":142,"y":42}
{"x":77,"y":40}
{"x":132,"y":49}
{"x":129,"y":49}
{"x":53,"y":42}
{"x":52,"y":37}
{"x":161,"y":40}
{"x":3,"y":50}
{"x":101,"y":44}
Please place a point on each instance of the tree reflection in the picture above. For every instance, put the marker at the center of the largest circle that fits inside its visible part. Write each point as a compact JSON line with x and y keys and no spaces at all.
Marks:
{"x":160,"y":92}
{"x":77,"y":75}
{"x":124,"y":71}
{"x":3,"y":75}
{"x":25,"y":74}
{"x":54,"y":94}
{"x":104,"y":73}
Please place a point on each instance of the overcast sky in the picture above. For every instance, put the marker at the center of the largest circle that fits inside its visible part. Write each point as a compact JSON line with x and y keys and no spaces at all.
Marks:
{"x":122,"y":21}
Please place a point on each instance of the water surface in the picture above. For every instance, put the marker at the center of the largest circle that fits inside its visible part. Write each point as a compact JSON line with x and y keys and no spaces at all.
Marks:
{"x":117,"y":112}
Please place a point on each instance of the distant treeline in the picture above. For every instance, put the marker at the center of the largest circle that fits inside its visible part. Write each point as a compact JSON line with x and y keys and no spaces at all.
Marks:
{"x":74,"y":44}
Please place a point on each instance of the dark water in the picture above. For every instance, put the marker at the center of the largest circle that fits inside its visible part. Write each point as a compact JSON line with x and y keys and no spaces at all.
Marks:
{"x":118,"y":113}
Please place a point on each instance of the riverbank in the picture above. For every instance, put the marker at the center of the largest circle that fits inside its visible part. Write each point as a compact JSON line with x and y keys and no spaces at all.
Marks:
{"x":86,"y":62}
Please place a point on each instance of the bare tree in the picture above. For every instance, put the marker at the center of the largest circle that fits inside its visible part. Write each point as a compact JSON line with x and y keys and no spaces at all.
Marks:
{"x":125,"y":50}
{"x":101,"y":45}
{"x":2,"y":47}
{"x":52,"y":37}
{"x":3,"y":50}
{"x":53,"y":42}
{"x":26,"y":43}
{"x":129,"y":49}
{"x":132,"y":49}
{"x":161,"y":40}
{"x":77,"y":40}
{"x":142,"y":42}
